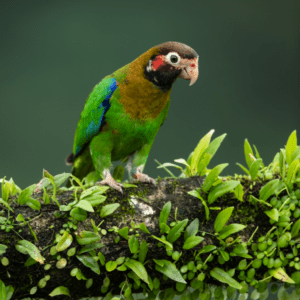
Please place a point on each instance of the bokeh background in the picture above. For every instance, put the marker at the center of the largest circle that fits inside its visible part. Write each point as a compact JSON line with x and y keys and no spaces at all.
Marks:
{"x":54,"y":52}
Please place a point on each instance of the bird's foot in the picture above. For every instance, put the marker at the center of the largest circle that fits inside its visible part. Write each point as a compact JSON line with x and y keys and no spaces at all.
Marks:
{"x":143,"y":178}
{"x":109,"y":180}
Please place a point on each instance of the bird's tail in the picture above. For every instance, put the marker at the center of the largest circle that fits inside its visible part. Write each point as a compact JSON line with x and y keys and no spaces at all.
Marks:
{"x":70,"y":159}
{"x":82,"y":164}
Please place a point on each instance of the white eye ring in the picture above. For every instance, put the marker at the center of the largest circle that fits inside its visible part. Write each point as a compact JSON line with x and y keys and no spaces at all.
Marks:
{"x":173,"y":58}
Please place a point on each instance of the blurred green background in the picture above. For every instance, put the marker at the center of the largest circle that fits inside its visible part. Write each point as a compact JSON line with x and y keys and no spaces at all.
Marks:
{"x":54,"y":52}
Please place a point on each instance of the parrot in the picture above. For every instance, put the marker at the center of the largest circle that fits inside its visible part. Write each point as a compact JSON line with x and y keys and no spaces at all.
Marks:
{"x":125,"y":110}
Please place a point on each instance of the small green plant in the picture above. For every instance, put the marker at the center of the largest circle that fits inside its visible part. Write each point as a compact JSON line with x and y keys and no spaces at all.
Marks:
{"x":188,"y":261}
{"x":199,"y":159}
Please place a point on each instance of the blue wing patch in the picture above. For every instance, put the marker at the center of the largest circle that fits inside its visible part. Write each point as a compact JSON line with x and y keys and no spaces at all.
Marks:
{"x":93,"y":114}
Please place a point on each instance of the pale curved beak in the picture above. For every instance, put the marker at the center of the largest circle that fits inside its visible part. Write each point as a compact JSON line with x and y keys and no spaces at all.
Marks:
{"x":190,"y":71}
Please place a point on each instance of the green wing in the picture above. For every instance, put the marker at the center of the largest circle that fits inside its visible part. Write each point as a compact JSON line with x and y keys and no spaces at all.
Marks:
{"x":93,"y":114}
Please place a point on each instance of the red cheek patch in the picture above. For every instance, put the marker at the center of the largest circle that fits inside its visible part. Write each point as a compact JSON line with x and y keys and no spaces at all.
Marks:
{"x":157,"y":62}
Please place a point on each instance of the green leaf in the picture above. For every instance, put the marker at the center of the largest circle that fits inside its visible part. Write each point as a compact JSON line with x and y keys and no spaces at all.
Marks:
{"x":282,"y":165}
{"x":65,"y":241}
{"x":206,"y":294}
{"x":29,"y":262}
{"x":187,"y":170}
{"x":170,"y":165}
{"x":61,"y":290}
{"x":268,"y":190}
{"x":120,"y":260}
{"x":281,"y":275}
{"x":196,"y":194}
{"x":144,"y":228}
{"x":2,"y":249}
{"x":181,"y":161}
{"x":87,"y":237}
{"x":207,"y":249}
{"x":295,"y":229}
{"x":133,"y":244}
{"x":222,"y":218}
{"x":254,"y":168}
{"x":273,"y":214}
{"x":78,"y":214}
{"x":175,"y":232}
{"x":61,"y":178}
{"x":138,"y":269}
{"x":46,"y":198}
{"x":2,"y":290}
{"x":25,"y":194}
{"x":170,"y":246}
{"x":124,"y":232}
{"x":223,"y":276}
{"x":94,"y":190}
{"x":225,"y":255}
{"x":203,"y":163}
{"x":214,"y":145}
{"x":213,"y":176}
{"x":85,"y":205}
{"x":192,"y":241}
{"x":296,"y":154}
{"x":164,"y":214}
{"x":88,"y":248}
{"x":169,"y":269}
{"x":89,"y":262}
{"x":164,"y":228}
{"x":48,"y":180}
{"x":221,"y":189}
{"x":3,"y":220}
{"x":33,"y":203}
{"x":5,"y":190}
{"x":92,"y":178}
{"x":192,"y":229}
{"x":258,"y":156}
{"x":6,"y":204}
{"x":26,"y":247}
{"x":20,"y":218}
{"x":291,"y":147}
{"x":9,"y":292}
{"x":143,"y":251}
{"x":239,"y":192}
{"x":230,"y":229}
{"x":111,"y":265}
{"x":293,"y":168}
{"x":247,"y":151}
{"x":65,"y":208}
{"x":101,"y":258}
{"x":243,"y":168}
{"x":95,"y":199}
{"x":166,"y":169}
{"x":108,"y":209}
{"x":199,"y":150}
{"x":240,"y":250}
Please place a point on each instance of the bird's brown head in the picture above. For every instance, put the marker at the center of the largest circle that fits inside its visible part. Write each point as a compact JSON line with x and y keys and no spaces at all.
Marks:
{"x":170,"y":61}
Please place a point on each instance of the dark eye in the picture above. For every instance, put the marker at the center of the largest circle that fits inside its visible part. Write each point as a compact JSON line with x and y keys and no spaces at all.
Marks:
{"x":174,"y":59}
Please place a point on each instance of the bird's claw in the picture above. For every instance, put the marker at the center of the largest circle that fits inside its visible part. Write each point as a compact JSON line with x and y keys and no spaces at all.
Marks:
{"x":144,"y":178}
{"x":112,"y":183}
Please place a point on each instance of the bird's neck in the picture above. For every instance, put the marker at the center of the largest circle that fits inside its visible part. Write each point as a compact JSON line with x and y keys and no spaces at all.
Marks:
{"x":140,"y":97}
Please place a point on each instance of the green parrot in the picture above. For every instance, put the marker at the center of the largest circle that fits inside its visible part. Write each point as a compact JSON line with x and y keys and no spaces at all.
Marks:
{"x":124,"y":112}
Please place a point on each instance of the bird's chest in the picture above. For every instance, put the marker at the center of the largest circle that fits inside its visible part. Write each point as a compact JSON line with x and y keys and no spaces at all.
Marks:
{"x":130,"y":134}
{"x":140,"y":99}
{"x":130,"y":131}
